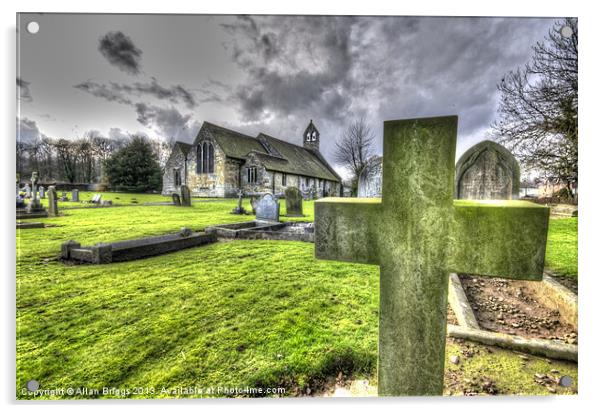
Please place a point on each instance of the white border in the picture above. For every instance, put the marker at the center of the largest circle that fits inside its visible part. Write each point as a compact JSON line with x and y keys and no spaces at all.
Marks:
{"x":590,"y":189}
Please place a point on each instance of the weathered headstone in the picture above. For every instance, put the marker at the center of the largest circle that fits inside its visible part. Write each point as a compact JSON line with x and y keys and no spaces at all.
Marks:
{"x":487,"y":171}
{"x":53,"y":209}
{"x":20,"y":200}
{"x":34,"y":205}
{"x":185,"y":196}
{"x":75,"y":195}
{"x":27,"y":190}
{"x":268,"y":208}
{"x":96,"y":199}
{"x":64,"y":197}
{"x":42,"y":192}
{"x":239,"y":210}
{"x":370,"y":179}
{"x":175,"y":198}
{"x":417,"y":235}
{"x":294,"y":201}
{"x":253,"y":201}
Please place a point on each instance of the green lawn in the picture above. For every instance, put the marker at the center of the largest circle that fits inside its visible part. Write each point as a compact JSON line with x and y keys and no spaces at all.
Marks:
{"x":241,"y":313}
{"x":561,"y":251}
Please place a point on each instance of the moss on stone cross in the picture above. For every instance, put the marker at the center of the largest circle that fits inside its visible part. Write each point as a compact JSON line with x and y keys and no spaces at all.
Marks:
{"x":418,"y":234}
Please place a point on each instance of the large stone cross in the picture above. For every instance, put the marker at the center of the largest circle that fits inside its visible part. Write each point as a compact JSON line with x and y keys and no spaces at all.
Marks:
{"x":418,"y":234}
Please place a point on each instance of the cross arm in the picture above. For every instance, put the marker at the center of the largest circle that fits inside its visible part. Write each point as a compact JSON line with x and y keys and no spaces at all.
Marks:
{"x":500,"y":238}
{"x":346,"y":229}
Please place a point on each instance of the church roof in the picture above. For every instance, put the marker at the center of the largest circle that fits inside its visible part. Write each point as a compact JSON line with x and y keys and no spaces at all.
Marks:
{"x":275,"y":154}
{"x":297,"y":160}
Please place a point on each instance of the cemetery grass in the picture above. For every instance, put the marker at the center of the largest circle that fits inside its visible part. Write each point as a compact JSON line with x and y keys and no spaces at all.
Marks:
{"x":561,"y":250}
{"x":231,"y":314}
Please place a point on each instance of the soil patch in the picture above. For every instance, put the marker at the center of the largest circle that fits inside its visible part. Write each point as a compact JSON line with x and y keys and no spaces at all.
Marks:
{"x":503,"y":306}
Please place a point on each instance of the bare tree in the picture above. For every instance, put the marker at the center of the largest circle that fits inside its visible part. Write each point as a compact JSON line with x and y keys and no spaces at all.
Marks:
{"x":66,"y":153}
{"x":354,"y":149}
{"x":538,"y":107}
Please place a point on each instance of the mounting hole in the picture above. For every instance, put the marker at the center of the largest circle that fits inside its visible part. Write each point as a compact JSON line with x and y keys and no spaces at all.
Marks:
{"x":33,"y":27}
{"x":33,"y":385}
{"x":565,"y":381}
{"x":566,"y":32}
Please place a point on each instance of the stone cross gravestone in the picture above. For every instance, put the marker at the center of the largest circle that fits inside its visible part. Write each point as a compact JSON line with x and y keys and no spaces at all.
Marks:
{"x":53,"y":209}
{"x":268,"y":208}
{"x":418,"y":234}
{"x":487,"y":171}
{"x":294,"y":201}
{"x":75,"y":195}
{"x":34,"y":205}
{"x":176,"y":199}
{"x":185,"y":196}
{"x":42,"y":192}
{"x":370,"y":179}
{"x":239,"y":208}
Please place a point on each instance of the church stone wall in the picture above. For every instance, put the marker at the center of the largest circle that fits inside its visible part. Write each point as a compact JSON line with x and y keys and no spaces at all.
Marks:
{"x":221,"y":183}
{"x":176,"y":161}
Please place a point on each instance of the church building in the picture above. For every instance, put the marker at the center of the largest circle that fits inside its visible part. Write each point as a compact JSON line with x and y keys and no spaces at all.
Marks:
{"x":220,"y":162}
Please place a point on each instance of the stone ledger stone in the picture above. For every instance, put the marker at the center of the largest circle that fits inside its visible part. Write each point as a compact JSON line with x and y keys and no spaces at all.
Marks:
{"x":487,"y":171}
{"x":185,"y":196}
{"x":294,"y":201}
{"x":268,"y":208}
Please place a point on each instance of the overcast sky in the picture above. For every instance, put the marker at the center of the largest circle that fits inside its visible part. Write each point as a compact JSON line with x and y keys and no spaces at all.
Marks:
{"x":164,"y":75}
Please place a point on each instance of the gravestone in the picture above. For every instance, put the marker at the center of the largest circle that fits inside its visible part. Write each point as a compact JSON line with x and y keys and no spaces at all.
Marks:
{"x":27,"y":190}
{"x":294,"y":201}
{"x":42,"y":192}
{"x":487,"y":171}
{"x":20,"y":199}
{"x":64,"y":197}
{"x":370,"y":179}
{"x":239,"y":210}
{"x":418,"y":234}
{"x":268,"y":208}
{"x":34,"y":205}
{"x":253,"y":201}
{"x":53,"y":209}
{"x":185,"y":196}
{"x":176,"y":199}
{"x":75,"y":195}
{"x":96,"y":199}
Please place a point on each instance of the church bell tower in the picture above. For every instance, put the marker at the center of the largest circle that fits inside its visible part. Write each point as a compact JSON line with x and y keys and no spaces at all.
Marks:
{"x":311,"y":137}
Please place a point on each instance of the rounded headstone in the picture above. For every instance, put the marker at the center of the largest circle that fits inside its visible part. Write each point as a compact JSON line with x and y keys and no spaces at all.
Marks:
{"x":487,"y":171}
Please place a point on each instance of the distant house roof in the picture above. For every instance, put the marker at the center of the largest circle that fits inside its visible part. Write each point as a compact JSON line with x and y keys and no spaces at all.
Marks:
{"x":276,"y":155}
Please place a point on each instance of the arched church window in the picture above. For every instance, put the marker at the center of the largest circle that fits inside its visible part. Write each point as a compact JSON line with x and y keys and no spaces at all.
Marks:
{"x":205,"y":158}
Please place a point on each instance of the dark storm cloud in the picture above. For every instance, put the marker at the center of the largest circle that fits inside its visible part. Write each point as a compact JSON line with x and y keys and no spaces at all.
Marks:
{"x":23,"y":90}
{"x":294,"y":64}
{"x":336,"y":69}
{"x":116,"y":92}
{"x":107,"y":92}
{"x":121,"y":52}
{"x":168,"y":122}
